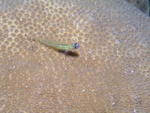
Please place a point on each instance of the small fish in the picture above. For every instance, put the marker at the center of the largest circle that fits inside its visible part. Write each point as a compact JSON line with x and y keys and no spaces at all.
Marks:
{"x":58,"y":46}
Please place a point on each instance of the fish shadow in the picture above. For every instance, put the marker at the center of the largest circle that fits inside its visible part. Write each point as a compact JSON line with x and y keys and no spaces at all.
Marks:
{"x":69,"y":53}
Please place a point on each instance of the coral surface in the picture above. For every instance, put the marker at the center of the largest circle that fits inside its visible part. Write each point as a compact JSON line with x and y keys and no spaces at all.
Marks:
{"x":109,"y":73}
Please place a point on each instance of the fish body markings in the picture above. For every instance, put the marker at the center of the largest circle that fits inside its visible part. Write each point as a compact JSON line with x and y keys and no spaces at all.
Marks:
{"x":59,"y":46}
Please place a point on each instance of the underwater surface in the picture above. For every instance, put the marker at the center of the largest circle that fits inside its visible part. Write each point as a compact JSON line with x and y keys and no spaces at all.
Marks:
{"x":143,"y":5}
{"x":110,"y":72}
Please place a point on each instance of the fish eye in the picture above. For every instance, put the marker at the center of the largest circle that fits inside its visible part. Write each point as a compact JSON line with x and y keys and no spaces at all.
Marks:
{"x":76,"y":45}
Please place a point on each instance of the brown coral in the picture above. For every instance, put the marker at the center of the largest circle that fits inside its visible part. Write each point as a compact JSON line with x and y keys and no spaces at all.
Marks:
{"x":110,"y":73}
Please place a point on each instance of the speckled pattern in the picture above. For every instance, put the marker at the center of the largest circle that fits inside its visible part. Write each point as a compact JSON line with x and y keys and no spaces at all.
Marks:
{"x":109,"y":73}
{"x":143,"y":5}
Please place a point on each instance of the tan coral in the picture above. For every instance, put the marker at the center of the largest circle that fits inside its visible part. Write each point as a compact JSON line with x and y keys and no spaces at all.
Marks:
{"x":109,"y":73}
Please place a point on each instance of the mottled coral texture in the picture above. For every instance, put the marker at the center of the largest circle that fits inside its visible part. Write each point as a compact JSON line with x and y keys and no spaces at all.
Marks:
{"x":109,"y":73}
